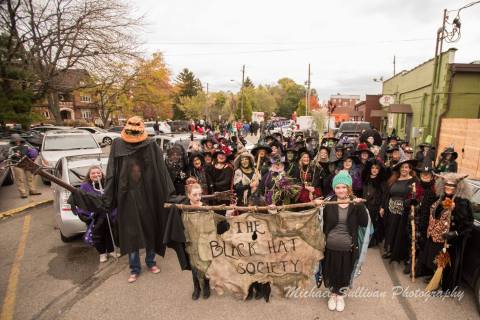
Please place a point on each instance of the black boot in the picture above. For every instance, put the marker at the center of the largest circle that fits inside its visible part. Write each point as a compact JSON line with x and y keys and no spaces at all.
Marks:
{"x":408,"y":267}
{"x":206,"y":288}
{"x":250,"y":292}
{"x":266,"y":291}
{"x":196,"y":288}
{"x":258,"y":290}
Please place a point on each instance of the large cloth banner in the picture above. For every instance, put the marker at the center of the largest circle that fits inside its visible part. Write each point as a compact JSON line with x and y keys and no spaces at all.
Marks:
{"x":282,"y":248}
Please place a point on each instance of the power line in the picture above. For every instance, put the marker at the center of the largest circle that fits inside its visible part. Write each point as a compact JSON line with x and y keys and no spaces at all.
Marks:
{"x":278,"y":42}
{"x":288,"y":49}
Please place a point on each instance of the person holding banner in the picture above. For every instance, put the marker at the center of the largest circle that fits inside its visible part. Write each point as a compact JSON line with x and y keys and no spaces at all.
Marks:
{"x":341,"y":223}
{"x":194,"y":194}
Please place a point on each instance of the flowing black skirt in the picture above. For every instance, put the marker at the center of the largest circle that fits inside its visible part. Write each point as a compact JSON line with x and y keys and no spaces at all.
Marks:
{"x":397,"y":237}
{"x":337,"y":269}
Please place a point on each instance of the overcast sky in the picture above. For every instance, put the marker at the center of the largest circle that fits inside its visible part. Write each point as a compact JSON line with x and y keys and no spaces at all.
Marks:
{"x":347,"y":43}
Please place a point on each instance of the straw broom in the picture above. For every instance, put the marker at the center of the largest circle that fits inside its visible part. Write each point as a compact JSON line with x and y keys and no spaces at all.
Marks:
{"x":443,"y":258}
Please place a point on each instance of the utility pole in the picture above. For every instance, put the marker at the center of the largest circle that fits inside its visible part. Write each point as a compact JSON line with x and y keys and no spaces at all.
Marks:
{"x":394,"y":73}
{"x":307,"y":94}
{"x":206,"y":105}
{"x":241,"y":92}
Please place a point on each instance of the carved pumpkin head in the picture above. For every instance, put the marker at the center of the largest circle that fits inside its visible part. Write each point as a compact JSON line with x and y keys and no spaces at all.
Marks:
{"x":134,"y":130}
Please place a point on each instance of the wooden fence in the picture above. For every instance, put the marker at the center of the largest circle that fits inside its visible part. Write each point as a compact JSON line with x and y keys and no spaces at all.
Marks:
{"x":464,"y":135}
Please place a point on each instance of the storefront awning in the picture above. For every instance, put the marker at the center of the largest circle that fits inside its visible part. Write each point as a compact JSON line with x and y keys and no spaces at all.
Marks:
{"x":400,"y":108}
{"x":378,"y":114}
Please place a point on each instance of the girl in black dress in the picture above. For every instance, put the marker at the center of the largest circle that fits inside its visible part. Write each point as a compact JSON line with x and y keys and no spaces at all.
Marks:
{"x":374,"y":188}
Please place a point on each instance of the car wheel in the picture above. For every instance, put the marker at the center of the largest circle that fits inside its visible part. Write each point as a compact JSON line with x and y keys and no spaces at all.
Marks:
{"x":477,"y":293}
{"x":107,"y":140}
{"x":66,"y":239}
{"x":8,"y":179}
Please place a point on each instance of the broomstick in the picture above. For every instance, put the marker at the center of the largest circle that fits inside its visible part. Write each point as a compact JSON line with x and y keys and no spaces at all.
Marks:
{"x":254,"y":208}
{"x":443,"y":258}
{"x":412,"y":222}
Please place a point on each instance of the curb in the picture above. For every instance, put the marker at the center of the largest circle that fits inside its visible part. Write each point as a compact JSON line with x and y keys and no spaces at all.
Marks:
{"x":15,"y":211}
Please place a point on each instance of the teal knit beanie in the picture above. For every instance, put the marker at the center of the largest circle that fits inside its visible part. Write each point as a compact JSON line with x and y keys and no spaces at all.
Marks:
{"x":342,"y":178}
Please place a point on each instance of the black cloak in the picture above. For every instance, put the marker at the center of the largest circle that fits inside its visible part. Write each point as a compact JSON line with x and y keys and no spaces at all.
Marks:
{"x":138,"y":184}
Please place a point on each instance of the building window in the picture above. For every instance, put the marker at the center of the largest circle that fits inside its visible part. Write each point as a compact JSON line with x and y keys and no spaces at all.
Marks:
{"x":46,"y":114}
{"x":86,"y":99}
{"x":86,"y":113}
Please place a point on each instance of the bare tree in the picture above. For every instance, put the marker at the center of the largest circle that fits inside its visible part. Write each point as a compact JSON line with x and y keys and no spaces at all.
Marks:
{"x":57,"y":35}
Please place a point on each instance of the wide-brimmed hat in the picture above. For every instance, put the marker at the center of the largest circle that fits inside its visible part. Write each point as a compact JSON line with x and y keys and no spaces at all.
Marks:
{"x":421,"y":169}
{"x":196,"y":154}
{"x":355,"y":158}
{"x":412,"y":162}
{"x":325,"y":140}
{"x":427,"y":143}
{"x":392,"y":137}
{"x":382,"y":174}
{"x":303,"y":151}
{"x":363,"y":147}
{"x":207,"y":139}
{"x":260,"y":146}
{"x":325,"y":148}
{"x":390,"y":149}
{"x":276,"y":159}
{"x":449,"y":150}
{"x":246,"y":154}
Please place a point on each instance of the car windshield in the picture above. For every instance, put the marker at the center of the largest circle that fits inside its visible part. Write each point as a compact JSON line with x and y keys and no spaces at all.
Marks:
{"x":71,"y":142}
{"x":354,"y":126}
{"x":77,"y":175}
{"x":101,"y":130}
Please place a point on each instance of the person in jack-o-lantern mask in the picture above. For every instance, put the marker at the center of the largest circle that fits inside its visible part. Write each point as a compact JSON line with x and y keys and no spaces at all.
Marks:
{"x":137,"y":184}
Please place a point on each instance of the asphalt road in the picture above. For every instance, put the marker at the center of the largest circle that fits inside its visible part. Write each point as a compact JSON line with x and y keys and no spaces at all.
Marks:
{"x":59,"y":280}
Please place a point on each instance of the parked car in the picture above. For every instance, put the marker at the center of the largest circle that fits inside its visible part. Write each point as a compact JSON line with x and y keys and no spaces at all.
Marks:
{"x":43,"y":129}
{"x":72,"y":170}
{"x":116,"y":129}
{"x":101,"y":135}
{"x":471,"y":259}
{"x":179,"y":126}
{"x":352,"y":127}
{"x":162,"y":125}
{"x":33,"y":137}
{"x":165,"y":141}
{"x":6,"y":177}
{"x":61,"y":143}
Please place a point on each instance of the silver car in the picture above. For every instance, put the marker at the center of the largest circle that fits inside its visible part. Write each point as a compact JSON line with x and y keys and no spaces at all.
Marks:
{"x":62,"y":143}
{"x":72,"y":170}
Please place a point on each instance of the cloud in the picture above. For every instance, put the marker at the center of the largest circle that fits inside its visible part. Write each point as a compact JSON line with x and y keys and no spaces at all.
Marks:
{"x":347,"y":43}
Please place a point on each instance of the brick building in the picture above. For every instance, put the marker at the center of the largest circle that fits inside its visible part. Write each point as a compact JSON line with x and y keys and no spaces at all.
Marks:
{"x":343,"y":106}
{"x":75,"y":103}
{"x":365,"y":108}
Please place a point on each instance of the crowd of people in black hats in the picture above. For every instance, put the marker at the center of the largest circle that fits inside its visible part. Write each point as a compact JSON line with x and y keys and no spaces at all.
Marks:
{"x":381,"y":188}
{"x":292,"y":168}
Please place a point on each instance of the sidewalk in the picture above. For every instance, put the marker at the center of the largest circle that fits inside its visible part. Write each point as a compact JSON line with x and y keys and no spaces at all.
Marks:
{"x":10,"y":197}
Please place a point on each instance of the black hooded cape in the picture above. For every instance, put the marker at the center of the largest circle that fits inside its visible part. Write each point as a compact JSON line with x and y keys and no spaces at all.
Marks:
{"x":138,"y":184}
